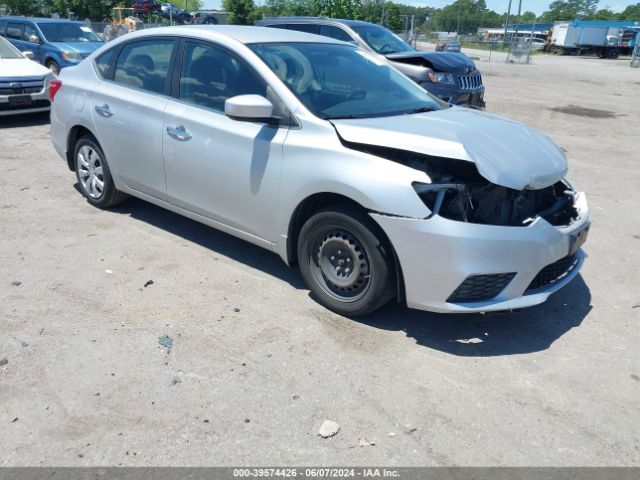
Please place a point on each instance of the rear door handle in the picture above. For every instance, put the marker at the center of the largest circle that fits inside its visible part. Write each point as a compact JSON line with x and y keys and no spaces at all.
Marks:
{"x":104,"y":110}
{"x":179,"y":133}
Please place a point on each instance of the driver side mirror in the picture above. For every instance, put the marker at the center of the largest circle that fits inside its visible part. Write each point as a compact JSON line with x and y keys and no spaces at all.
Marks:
{"x":28,"y":54}
{"x":34,"y":39}
{"x":250,"y":108}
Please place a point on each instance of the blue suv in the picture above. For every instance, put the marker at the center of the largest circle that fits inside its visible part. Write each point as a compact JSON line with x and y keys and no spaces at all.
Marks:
{"x":55,"y":43}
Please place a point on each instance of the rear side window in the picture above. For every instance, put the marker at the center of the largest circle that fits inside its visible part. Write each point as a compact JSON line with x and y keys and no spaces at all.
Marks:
{"x":103,"y":62}
{"x":3,"y":28}
{"x":335,"y":32}
{"x":14,"y":31}
{"x":211,"y":74}
{"x":145,"y":65}
{"x":303,"y":27}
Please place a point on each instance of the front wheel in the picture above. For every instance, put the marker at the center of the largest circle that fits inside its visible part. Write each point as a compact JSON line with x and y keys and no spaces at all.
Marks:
{"x":54,"y":67}
{"x":346,"y":261}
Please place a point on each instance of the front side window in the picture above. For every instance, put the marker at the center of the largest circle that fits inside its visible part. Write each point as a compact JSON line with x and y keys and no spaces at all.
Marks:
{"x":29,"y":30}
{"x":210,"y":74}
{"x":382,"y":40}
{"x":335,"y":32}
{"x":67,"y":32}
{"x":339,"y":81}
{"x":14,"y":31}
{"x":145,"y":64}
{"x":303,"y":27}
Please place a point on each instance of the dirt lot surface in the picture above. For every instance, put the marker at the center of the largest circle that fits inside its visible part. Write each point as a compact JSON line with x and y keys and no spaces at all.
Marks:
{"x":255,"y":366}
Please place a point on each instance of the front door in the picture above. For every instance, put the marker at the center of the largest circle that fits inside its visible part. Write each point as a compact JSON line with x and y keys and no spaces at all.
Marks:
{"x":223,"y":169}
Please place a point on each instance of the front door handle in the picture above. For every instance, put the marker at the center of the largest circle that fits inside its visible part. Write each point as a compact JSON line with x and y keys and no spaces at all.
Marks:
{"x":179,"y":133}
{"x":104,"y":110}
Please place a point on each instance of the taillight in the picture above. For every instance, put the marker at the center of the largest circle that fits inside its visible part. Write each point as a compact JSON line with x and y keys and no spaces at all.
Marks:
{"x":54,"y":86}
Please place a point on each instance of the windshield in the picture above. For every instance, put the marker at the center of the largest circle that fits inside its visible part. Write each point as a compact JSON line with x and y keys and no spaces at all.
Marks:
{"x":382,"y":40}
{"x":68,"y":32}
{"x":8,"y":51}
{"x":340,"y":81}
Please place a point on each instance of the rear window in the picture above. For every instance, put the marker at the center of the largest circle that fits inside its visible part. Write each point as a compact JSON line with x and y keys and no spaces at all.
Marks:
{"x":103,"y":62}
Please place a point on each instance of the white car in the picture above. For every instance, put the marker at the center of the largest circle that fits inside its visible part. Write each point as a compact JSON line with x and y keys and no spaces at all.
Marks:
{"x":24,"y":84}
{"x":329,"y":157}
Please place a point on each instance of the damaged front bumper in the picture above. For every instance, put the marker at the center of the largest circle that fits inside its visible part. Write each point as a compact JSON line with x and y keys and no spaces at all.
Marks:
{"x":453,"y":266}
{"x":453,"y":94}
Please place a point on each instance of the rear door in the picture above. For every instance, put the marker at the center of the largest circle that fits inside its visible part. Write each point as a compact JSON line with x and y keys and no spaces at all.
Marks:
{"x":127,"y":109}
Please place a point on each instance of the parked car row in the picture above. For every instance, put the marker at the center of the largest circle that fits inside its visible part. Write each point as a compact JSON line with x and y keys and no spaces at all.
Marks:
{"x":54,"y":43}
{"x":321,"y":152}
{"x":452,"y":77}
{"x":24,"y":84}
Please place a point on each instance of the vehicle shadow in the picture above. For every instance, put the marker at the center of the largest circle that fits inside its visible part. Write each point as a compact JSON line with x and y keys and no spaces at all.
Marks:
{"x":474,"y":335}
{"x":24,"y":120}
{"x":210,"y":238}
{"x":492,"y":334}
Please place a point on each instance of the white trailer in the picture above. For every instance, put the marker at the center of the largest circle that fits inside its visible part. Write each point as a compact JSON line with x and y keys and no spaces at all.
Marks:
{"x":564,"y":37}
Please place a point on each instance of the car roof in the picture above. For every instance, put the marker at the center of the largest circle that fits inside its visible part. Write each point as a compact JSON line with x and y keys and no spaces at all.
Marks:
{"x":277,"y":20}
{"x":38,"y":19}
{"x":240,"y":33}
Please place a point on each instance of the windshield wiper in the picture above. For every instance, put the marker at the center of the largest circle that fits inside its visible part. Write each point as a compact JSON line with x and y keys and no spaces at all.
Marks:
{"x":421,"y":110}
{"x":346,"y":117}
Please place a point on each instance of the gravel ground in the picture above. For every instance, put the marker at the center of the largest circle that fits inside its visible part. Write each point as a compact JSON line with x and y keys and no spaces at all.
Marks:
{"x":255,"y":366}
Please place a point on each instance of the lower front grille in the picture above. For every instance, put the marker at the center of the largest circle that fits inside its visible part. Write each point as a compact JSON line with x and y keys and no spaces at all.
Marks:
{"x":480,"y":287}
{"x":4,"y":107}
{"x":20,"y":91}
{"x":554,"y":272}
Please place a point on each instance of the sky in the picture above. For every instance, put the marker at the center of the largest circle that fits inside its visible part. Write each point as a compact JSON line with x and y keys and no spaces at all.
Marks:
{"x":500,"y":6}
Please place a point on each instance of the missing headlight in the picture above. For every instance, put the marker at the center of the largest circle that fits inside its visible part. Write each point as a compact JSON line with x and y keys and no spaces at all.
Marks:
{"x":489,"y":204}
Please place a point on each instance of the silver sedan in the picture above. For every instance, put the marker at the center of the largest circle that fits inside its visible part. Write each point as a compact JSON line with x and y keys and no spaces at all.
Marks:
{"x":323,"y":154}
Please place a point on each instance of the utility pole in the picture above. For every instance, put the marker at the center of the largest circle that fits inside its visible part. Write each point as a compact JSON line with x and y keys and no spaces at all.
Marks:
{"x":459,"y":10}
{"x":382,"y":16}
{"x":518,"y":18}
{"x":506,"y":25}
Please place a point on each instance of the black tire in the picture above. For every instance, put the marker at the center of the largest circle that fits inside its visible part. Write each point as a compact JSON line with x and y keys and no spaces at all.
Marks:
{"x":54,"y":67}
{"x":613,"y":54}
{"x":104,"y":197}
{"x":354,"y":282}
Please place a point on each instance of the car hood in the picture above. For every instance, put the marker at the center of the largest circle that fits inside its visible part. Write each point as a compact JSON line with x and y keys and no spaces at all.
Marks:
{"x":442,"y":61}
{"x":505,"y":152}
{"x":84,"y":48}
{"x":21,"y":67}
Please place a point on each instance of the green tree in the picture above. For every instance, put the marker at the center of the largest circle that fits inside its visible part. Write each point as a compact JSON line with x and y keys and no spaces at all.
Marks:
{"x":570,"y":10}
{"x":631,"y":13}
{"x":528,"y":17}
{"x":605,"y":14}
{"x":240,"y":11}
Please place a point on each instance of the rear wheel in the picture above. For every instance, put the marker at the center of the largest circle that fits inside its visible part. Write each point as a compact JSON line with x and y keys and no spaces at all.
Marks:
{"x":613,"y":54}
{"x":346,"y":261}
{"x":93,"y":174}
